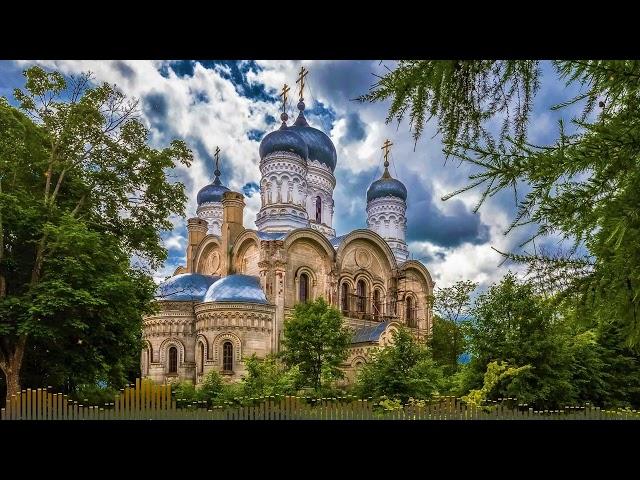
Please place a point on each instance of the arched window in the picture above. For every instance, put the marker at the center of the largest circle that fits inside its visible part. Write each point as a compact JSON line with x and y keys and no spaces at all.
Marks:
{"x":304,"y":287}
{"x":345,"y":297}
{"x":227,"y":357}
{"x":377,"y":303}
{"x":201,"y":348}
{"x":318,"y":210}
{"x":361,"y":293}
{"x":173,"y":360}
{"x":410,"y":312}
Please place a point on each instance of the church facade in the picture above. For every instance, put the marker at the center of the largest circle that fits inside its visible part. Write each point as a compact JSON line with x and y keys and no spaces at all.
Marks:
{"x":239,"y":285}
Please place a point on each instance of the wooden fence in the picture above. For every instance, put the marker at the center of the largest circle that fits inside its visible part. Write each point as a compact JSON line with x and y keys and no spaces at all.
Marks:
{"x":148,"y":401}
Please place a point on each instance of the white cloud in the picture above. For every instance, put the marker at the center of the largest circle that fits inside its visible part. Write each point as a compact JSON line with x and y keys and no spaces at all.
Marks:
{"x":227,"y":117}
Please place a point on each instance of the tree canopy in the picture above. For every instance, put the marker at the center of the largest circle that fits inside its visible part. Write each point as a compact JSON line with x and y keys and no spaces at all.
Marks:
{"x":582,"y":186}
{"x":401,"y":370}
{"x":81,"y":195}
{"x":316,"y":340}
{"x":452,"y":308}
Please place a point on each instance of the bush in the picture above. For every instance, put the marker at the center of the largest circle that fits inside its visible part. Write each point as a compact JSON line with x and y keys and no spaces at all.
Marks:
{"x":94,"y":394}
{"x":233,"y":393}
{"x":184,"y":392}
{"x":270,"y":377}
{"x":211,"y":388}
{"x":402,"y":370}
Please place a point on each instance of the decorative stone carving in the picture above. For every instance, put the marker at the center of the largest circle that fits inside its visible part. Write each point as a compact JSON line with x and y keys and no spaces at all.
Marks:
{"x":363,"y":259}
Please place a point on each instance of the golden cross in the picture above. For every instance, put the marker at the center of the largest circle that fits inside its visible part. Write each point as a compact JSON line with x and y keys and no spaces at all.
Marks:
{"x":386,"y":147}
{"x":217,"y":153}
{"x":285,"y":90}
{"x":303,"y":73}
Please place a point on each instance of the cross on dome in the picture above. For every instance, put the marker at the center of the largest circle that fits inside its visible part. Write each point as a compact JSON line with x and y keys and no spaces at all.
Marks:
{"x":303,"y":73}
{"x":386,"y":146}
{"x":217,"y":171}
{"x":284,"y":117}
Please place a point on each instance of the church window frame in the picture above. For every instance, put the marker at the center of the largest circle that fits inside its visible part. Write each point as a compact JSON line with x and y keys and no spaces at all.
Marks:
{"x":303,"y":288}
{"x":318,"y":205}
{"x":377,"y":303}
{"x":344,"y":296}
{"x":311,"y":283}
{"x":361,"y":296}
{"x":227,"y":356}
{"x":172,"y":360}
{"x":411,"y":307}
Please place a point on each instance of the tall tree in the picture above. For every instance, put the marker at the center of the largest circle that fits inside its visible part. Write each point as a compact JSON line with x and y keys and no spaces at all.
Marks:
{"x":315,"y":340}
{"x":81,"y":192}
{"x":401,"y":370}
{"x":582,"y":186}
{"x":606,"y":371}
{"x":513,"y":324}
{"x":452,"y":306}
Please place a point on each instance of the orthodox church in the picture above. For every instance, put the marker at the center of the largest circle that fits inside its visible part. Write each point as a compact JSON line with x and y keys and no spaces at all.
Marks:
{"x":238,"y":286}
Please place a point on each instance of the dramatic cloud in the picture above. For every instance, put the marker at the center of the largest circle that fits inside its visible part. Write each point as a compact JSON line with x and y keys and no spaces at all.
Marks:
{"x":250,"y":189}
{"x":426,"y":222}
{"x":156,"y":108}
{"x":233,"y":104}
{"x":356,"y":129}
{"x":125,"y":70}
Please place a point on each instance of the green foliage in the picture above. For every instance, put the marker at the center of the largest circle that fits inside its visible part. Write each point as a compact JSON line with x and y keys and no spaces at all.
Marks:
{"x":232,"y":393}
{"x":454,"y":303}
{"x":402,"y":370}
{"x":315,"y":340}
{"x":462,"y":94}
{"x":496,"y":373}
{"x":583,"y":186}
{"x":268,"y":376}
{"x":184,"y":392}
{"x":606,"y":370}
{"x":83,"y":317}
{"x":621,"y":368}
{"x":447,"y":341}
{"x":456,"y":384}
{"x":81,"y":194}
{"x":390,"y":404}
{"x":93,"y":394}
{"x":511,"y":323}
{"x":213,"y":391}
{"x":570,"y":360}
{"x":212,"y":387}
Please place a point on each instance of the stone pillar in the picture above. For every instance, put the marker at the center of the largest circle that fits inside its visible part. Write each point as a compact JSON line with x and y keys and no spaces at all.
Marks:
{"x":280,"y":271}
{"x":332,"y":289}
{"x":232,"y":227}
{"x":197,"y":230}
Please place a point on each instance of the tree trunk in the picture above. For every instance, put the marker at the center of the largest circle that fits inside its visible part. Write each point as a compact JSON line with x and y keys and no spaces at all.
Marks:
{"x":37,"y":266}
{"x":12,"y":376}
{"x":12,"y":365}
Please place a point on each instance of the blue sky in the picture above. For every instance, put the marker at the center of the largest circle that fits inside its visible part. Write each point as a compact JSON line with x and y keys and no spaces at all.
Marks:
{"x":234,"y":103}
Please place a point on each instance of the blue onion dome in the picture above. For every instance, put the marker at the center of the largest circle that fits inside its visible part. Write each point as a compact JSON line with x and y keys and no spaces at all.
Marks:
{"x":186,"y":287}
{"x":236,"y":288}
{"x":212,"y":192}
{"x":320,"y":146}
{"x":283,"y":140}
{"x":386,"y":186}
